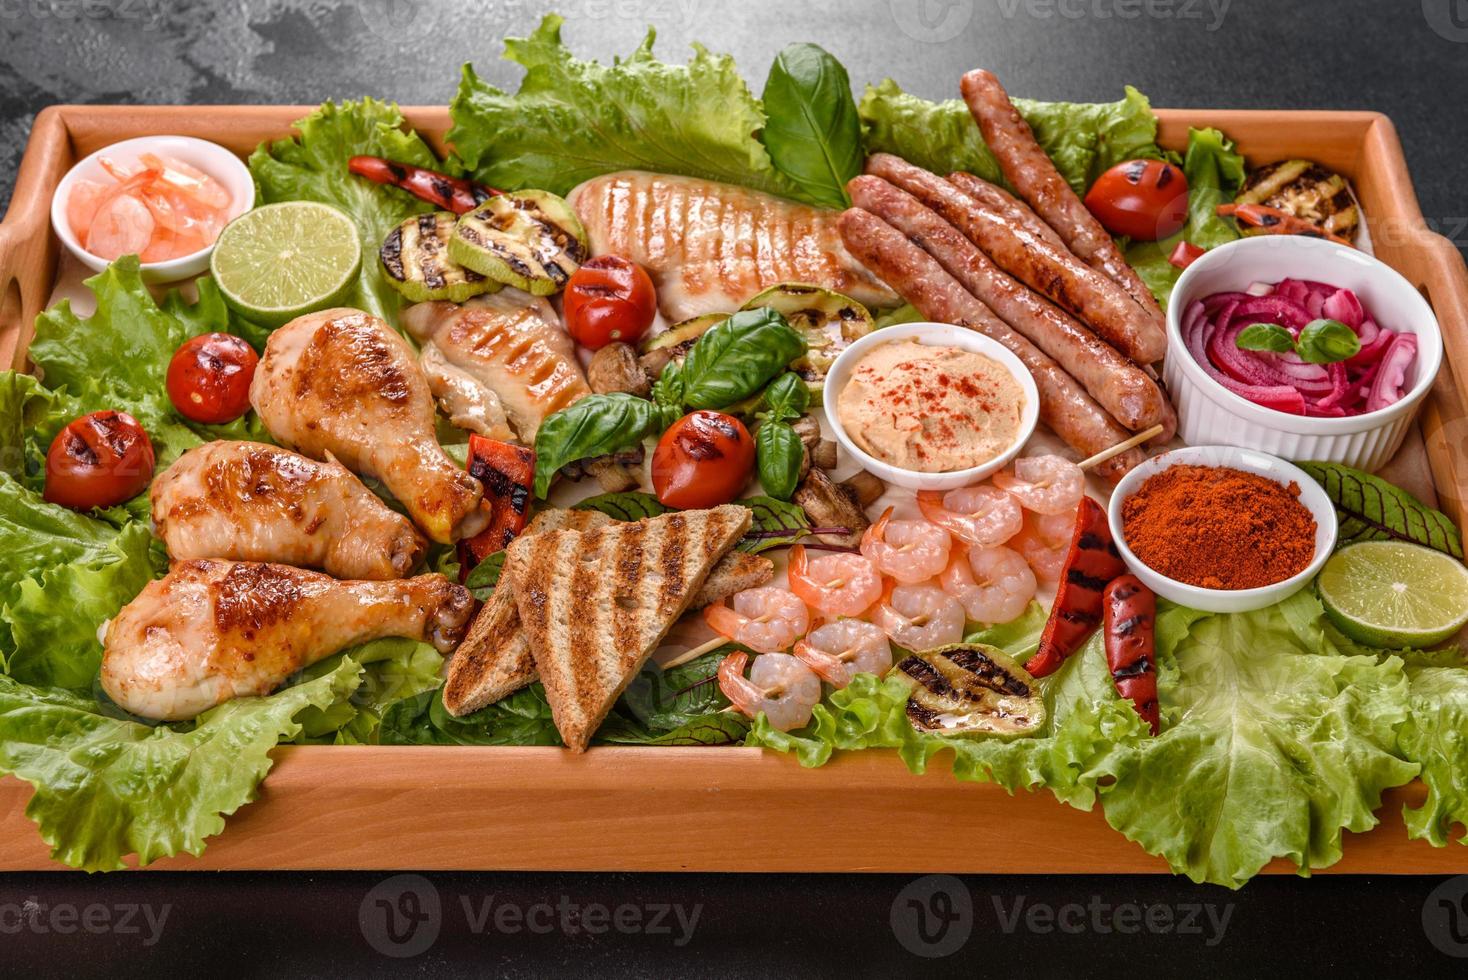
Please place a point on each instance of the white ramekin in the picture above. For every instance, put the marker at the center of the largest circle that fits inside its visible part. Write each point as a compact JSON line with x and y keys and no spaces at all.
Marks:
{"x":211,"y":158}
{"x":1209,"y":414}
{"x":1312,"y":495}
{"x":933,"y":335}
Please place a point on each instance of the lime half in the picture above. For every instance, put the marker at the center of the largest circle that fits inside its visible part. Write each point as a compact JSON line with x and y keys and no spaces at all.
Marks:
{"x":282,"y":260}
{"x":1390,"y":595}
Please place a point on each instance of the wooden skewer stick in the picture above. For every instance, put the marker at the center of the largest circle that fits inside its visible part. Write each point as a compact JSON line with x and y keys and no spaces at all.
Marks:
{"x":688,"y":656}
{"x":1121,"y":447}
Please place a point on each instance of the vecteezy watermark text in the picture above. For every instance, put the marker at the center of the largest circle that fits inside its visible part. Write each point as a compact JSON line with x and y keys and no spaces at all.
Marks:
{"x":139,"y":10}
{"x":94,"y":918}
{"x":1214,"y":11}
{"x":1203,"y":919}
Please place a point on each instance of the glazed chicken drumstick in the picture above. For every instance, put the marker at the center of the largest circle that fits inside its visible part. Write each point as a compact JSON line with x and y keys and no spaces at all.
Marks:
{"x":252,"y":502}
{"x":343,"y":382}
{"x":209,"y":631}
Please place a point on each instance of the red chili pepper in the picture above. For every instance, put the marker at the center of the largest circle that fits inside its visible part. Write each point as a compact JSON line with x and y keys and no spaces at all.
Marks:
{"x":1273,"y":221}
{"x":456,"y":194}
{"x":1185,"y":255}
{"x":1130,"y":631}
{"x":1091,"y":563}
{"x":508,"y":474}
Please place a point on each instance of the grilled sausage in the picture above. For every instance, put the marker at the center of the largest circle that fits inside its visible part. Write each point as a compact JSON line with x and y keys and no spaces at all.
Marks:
{"x":1090,"y":565}
{"x":919,"y":279}
{"x":1122,"y":388}
{"x":996,"y":198}
{"x":1129,"y":626}
{"x":1029,"y":170}
{"x":1051,"y":271}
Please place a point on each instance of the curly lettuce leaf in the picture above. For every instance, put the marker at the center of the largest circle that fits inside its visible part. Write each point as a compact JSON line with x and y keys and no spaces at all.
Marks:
{"x":1436,"y":737}
{"x":572,"y":120}
{"x":106,"y":788}
{"x":312,"y":166}
{"x":394,"y":669}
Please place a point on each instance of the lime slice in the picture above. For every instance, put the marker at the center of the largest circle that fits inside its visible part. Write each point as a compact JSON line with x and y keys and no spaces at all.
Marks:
{"x":282,"y":260}
{"x":1390,"y":595}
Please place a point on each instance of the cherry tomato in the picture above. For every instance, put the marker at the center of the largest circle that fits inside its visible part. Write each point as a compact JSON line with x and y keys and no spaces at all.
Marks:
{"x":703,"y":460}
{"x":209,"y":377}
{"x":98,"y":460}
{"x":1185,"y":255}
{"x":1142,"y":199}
{"x":609,"y":299}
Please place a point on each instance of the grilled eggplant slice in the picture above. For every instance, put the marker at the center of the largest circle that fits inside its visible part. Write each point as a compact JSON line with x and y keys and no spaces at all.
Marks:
{"x":415,"y":257}
{"x":1307,"y":191}
{"x":531,"y":240}
{"x":827,"y":320}
{"x":971,"y":689}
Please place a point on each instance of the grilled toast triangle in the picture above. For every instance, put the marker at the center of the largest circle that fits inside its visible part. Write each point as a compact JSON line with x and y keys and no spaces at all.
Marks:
{"x":595,"y":605}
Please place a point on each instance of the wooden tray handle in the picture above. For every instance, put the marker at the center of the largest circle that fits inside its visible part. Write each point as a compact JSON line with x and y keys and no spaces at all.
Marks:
{"x":28,"y":251}
{"x":1442,"y":277}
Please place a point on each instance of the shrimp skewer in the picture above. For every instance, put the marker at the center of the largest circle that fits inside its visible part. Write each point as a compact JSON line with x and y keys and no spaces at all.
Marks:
{"x":835,"y":585}
{"x":995,"y":585}
{"x":766,"y":619}
{"x":780,"y":686}
{"x":839,"y":651}
{"x":979,"y":516}
{"x":1044,"y":484}
{"x":920,"y":617}
{"x":909,"y":551}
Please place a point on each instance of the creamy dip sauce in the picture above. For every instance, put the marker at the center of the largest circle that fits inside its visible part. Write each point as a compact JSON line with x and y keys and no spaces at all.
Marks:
{"x":930,"y":409}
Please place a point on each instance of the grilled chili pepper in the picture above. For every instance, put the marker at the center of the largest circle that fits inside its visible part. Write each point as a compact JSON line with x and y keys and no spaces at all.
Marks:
{"x":507,"y":472}
{"x":455,"y":194}
{"x":1130,"y":623}
{"x":1273,"y":221}
{"x":1091,"y":563}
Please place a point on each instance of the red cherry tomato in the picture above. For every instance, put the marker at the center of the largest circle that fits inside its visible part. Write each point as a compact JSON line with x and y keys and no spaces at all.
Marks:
{"x":609,"y":299}
{"x":703,"y":460}
{"x":98,"y":460}
{"x":1185,"y":255}
{"x":1142,"y":199}
{"x":209,"y":377}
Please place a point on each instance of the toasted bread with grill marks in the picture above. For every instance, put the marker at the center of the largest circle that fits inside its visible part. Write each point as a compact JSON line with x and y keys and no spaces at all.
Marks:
{"x":495,"y":661}
{"x":595,"y":605}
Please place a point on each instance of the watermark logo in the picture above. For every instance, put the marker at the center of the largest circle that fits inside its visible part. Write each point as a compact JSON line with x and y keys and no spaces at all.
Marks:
{"x":1214,"y":11}
{"x":932,"y":21}
{"x":38,"y":918}
{"x":933,"y":916}
{"x":401,"y":917}
{"x":1447,"y":18}
{"x":1445,"y":917}
{"x":399,"y":20}
{"x":146,"y":11}
{"x":1202,"y":919}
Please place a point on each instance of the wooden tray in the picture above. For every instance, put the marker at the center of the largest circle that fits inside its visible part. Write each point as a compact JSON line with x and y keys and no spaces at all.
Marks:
{"x":730,"y":809}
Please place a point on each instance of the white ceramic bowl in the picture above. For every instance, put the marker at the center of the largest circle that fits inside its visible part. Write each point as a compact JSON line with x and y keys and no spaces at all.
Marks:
{"x":1250,"y":461}
{"x":1209,"y":414}
{"x":211,"y":158}
{"x":933,"y":335}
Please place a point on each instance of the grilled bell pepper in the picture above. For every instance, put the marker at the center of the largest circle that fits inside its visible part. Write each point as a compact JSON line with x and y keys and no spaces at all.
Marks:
{"x":455,"y":194}
{"x":1090,"y":565}
{"x":1265,"y":220}
{"x":507,"y":472}
{"x":1130,"y":631}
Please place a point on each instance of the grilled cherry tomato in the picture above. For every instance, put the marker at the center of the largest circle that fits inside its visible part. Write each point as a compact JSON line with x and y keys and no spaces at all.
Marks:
{"x":1142,"y":199}
{"x":609,"y":299}
{"x":703,"y":460}
{"x":98,"y":460}
{"x":209,"y":377}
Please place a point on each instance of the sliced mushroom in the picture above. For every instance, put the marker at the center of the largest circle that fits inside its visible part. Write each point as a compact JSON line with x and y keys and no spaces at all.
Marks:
{"x":615,"y":473}
{"x":828,"y":505}
{"x":864,"y":488}
{"x":615,"y":368}
{"x":824,"y":454}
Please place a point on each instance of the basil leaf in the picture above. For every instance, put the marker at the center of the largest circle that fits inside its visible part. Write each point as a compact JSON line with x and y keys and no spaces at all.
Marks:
{"x":787,"y":397}
{"x":776,"y":523}
{"x":736,"y":358}
{"x":812,"y":129}
{"x":624,"y":506}
{"x":1265,"y":336}
{"x":779,"y":453}
{"x":1371,"y":509}
{"x":485,"y":575}
{"x":594,"y":426}
{"x":1327,"y":342}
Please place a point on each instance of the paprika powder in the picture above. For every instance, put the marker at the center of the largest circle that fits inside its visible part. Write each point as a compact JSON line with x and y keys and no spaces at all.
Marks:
{"x":1219,"y":528}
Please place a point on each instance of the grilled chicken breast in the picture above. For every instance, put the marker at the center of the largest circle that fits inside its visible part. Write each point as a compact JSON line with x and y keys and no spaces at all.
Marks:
{"x":709,"y":247}
{"x":511,"y":346}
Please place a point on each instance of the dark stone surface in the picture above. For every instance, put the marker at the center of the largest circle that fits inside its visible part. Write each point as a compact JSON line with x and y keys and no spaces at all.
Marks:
{"x":1408,"y":58}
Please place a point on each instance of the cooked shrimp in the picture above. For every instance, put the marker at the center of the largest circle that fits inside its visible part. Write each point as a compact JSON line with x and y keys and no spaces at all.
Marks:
{"x":980,"y":516}
{"x":836,"y":585}
{"x":1044,"y":484}
{"x":994,"y":584}
{"x":920,"y":617}
{"x":779,"y":685}
{"x":1044,"y":542}
{"x":766,"y":619}
{"x":839,"y":651}
{"x":122,"y":226}
{"x":909,"y":551}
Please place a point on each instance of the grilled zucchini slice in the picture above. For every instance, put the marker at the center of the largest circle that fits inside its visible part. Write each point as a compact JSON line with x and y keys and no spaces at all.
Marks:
{"x":971,"y":689}
{"x":674,"y":343}
{"x":1306,"y":190}
{"x":415,"y":257}
{"x":531,"y":240}
{"x":827,"y":320}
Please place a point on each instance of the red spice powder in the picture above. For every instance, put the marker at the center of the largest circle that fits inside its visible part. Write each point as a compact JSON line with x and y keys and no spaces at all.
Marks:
{"x":1219,"y":528}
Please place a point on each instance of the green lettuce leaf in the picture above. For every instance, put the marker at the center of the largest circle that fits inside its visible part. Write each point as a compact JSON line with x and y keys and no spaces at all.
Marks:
{"x":1084,"y":139}
{"x":572,"y":120}
{"x":523,"y":718}
{"x":1436,"y":738}
{"x":312,"y":166}
{"x":107,"y":788}
{"x":394,"y":669}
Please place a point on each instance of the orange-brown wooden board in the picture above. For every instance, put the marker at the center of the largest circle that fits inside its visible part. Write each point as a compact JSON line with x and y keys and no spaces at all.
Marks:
{"x":715,"y":809}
